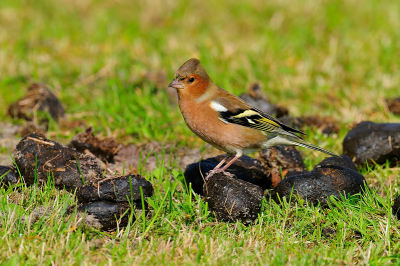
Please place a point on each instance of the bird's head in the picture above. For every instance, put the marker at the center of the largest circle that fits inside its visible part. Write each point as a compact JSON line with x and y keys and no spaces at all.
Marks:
{"x":191,"y":78}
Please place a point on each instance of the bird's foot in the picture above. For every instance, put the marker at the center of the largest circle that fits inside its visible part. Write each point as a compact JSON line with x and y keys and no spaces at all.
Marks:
{"x":215,"y":171}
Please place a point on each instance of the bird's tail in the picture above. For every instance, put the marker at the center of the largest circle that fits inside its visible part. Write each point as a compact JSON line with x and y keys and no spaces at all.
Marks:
{"x":305,"y":144}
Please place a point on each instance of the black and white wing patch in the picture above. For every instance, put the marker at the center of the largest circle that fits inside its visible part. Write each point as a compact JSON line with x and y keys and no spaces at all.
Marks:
{"x":253,"y":118}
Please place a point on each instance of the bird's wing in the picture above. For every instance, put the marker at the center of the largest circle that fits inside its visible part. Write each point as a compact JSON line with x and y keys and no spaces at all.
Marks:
{"x":235,"y":110}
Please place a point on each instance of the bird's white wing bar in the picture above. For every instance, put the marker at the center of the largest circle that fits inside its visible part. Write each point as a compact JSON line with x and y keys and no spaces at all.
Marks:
{"x":218,"y":107}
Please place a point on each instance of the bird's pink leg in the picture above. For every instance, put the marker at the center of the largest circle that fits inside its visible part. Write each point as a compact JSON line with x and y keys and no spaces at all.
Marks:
{"x":229,"y":163}
{"x":215,"y":170}
{"x":221,"y":162}
{"x":222,"y":170}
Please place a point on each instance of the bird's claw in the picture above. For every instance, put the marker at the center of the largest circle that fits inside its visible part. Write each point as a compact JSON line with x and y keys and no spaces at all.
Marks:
{"x":215,"y":171}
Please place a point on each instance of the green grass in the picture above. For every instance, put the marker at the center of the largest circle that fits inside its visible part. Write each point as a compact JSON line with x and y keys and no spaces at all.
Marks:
{"x":180,"y":229}
{"x":337,"y":58}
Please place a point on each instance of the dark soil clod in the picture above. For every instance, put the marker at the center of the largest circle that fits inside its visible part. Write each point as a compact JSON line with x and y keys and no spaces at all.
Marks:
{"x":396,"y":207}
{"x":233,"y":199}
{"x":103,"y":148}
{"x":31,"y":127}
{"x":370,"y":142}
{"x":116,"y":189}
{"x":105,"y":213}
{"x":394,"y":105}
{"x":282,"y":161}
{"x":280,"y":158}
{"x":111,"y":197}
{"x":328,"y":125}
{"x":245,"y":168}
{"x":8,"y":176}
{"x":40,"y":159}
{"x":321,"y":183}
{"x":344,"y":161}
{"x":255,"y":98}
{"x":38,"y":98}
{"x":328,"y":232}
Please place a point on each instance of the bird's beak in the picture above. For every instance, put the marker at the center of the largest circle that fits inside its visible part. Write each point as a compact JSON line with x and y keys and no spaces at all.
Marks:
{"x":176,"y":84}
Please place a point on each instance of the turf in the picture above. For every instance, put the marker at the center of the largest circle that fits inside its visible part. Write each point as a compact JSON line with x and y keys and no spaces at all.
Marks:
{"x":336,"y":58}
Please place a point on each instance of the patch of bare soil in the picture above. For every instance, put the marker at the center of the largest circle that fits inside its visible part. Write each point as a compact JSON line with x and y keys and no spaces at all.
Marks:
{"x":8,"y":141}
{"x":150,"y":155}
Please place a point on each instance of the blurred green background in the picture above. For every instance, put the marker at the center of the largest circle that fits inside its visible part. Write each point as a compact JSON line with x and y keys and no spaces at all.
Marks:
{"x":338,"y":58}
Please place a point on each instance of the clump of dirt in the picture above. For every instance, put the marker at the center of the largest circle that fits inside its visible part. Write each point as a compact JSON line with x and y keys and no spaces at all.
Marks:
{"x":396,"y":207}
{"x":8,"y":130}
{"x":130,"y":156}
{"x":8,"y":176}
{"x":328,"y":125}
{"x":255,"y":98}
{"x":40,"y":159}
{"x":245,"y":168}
{"x":31,"y":127}
{"x":282,"y":160}
{"x":344,"y":161}
{"x":328,"y":232}
{"x":233,"y":199}
{"x":394,"y":105}
{"x":103,"y":148}
{"x":320,"y":184}
{"x":369,"y":142}
{"x":104,"y":215}
{"x":112,"y":198}
{"x":38,"y":98}
{"x":116,"y":189}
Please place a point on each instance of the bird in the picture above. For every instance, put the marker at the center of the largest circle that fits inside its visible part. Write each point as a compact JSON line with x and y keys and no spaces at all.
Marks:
{"x":225,"y":121}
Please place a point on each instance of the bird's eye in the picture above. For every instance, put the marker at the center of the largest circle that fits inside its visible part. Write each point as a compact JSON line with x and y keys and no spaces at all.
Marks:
{"x":191,"y":80}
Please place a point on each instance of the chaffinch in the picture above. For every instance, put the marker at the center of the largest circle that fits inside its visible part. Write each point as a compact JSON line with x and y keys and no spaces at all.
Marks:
{"x":226,"y":121}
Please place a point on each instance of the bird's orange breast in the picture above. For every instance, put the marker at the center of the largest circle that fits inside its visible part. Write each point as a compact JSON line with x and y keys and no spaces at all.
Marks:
{"x":205,"y":123}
